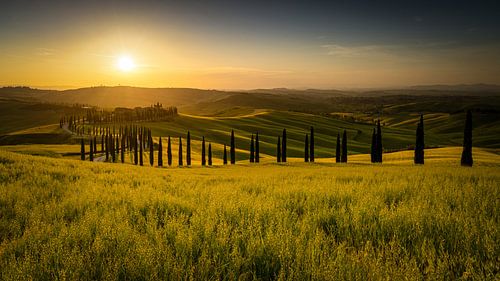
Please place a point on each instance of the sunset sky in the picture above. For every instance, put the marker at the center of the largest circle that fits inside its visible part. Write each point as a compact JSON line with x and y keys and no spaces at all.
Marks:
{"x":249,"y":44}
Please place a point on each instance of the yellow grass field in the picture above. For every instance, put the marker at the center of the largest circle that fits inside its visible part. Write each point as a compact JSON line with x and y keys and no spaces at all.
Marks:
{"x":63,"y":219}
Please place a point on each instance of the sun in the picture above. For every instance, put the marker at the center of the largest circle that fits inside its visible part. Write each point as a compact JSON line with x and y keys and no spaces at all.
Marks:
{"x":125,"y":63}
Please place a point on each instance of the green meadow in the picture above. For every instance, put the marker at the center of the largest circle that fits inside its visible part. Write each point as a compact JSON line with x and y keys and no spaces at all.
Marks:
{"x":63,"y":219}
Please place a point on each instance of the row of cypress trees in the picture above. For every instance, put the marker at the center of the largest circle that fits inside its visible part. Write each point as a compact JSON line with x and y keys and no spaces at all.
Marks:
{"x":135,"y":139}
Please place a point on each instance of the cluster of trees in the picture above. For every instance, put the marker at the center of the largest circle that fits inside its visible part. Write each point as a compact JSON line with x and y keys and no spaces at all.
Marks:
{"x":137,"y":139}
{"x":94,"y":116}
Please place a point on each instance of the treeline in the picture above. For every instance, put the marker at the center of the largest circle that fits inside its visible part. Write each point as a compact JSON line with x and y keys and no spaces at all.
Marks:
{"x":136,"y":140}
{"x":95,"y":116}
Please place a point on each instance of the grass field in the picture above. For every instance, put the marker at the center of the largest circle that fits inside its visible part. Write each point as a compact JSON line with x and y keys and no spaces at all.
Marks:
{"x":64,"y":219}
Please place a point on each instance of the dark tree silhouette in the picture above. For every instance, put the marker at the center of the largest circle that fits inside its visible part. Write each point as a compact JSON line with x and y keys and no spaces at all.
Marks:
{"x":466,"y":159}
{"x":419,"y":142}
{"x":141,"y":162}
{"x":180,"y":151}
{"x":102,"y":143}
{"x":136,"y":156}
{"x":344,"y":148}
{"x":311,"y":153}
{"x":169,"y":152}
{"x":225,"y":155}
{"x":91,"y":151}
{"x":117,"y":144}
{"x":107,"y":147}
{"x":160,"y":154}
{"x":95,"y":144}
{"x":373,"y":148}
{"x":232,"y":150}
{"x":203,"y":156}
{"x":306,"y":149}
{"x":257,"y":150}
{"x":278,"y":150}
{"x":379,"y":143}
{"x":209,"y":154}
{"x":283,"y":147}
{"x":151,"y":152}
{"x":252,"y":151}
{"x":337,"y":150}
{"x":113,"y":151}
{"x":122,"y":151}
{"x":188,"y":149}
{"x":82,"y":150}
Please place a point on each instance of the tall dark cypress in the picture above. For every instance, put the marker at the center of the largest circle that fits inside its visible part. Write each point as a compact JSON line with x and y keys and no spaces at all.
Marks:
{"x":160,"y":154}
{"x":188,"y":149}
{"x":278,"y":150}
{"x":379,"y":143}
{"x":232,"y":150}
{"x":257,"y":150}
{"x":337,"y":150}
{"x":112,"y":148}
{"x":122,"y":151}
{"x":136,"y":160}
{"x":180,"y":151}
{"x":252,"y":151}
{"x":141,"y":145}
{"x":373,"y":147}
{"x":306,"y":149}
{"x":209,"y":154}
{"x":311,"y":153}
{"x":225,"y":155}
{"x":283,"y":146}
{"x":344,"y":148}
{"x":95,"y":144}
{"x":82,"y":150}
{"x":117,"y":143}
{"x":107,"y":147}
{"x":151,"y":151}
{"x":203,"y":156}
{"x":102,"y":143}
{"x":466,"y":159}
{"x":419,"y":142}
{"x":169,"y":152}
{"x":91,"y":151}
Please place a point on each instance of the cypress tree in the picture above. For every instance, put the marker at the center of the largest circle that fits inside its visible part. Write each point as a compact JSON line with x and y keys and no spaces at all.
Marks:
{"x":419,"y":142}
{"x":113,"y":151}
{"x":180,"y":151}
{"x":95,"y":144}
{"x":306,"y":149}
{"x":225,"y":155}
{"x":257,"y":150}
{"x":82,"y":150}
{"x":209,"y":154}
{"x":160,"y":154}
{"x":379,"y":143}
{"x":141,"y":145}
{"x":151,"y":152}
{"x":344,"y":148}
{"x":117,"y":145}
{"x":203,"y":158}
{"x":122,"y":151}
{"x":373,"y":147}
{"x":252,"y":151}
{"x":337,"y":149}
{"x":232,"y":150}
{"x":188,"y":149}
{"x":278,"y":150}
{"x":311,"y":154}
{"x":135,"y":151}
{"x":102,"y":143}
{"x":107,"y":148}
{"x":169,"y":152}
{"x":466,"y":159}
{"x":91,"y":151}
{"x":283,"y":147}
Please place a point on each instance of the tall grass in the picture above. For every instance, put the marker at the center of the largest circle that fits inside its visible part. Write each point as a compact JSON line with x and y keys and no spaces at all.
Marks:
{"x":67,"y":220}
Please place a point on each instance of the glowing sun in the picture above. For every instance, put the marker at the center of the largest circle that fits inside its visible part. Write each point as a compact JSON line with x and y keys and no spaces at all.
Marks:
{"x":125,"y":63}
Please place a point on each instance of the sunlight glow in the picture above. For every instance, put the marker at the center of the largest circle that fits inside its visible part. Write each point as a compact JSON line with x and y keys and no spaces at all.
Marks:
{"x":125,"y":63}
